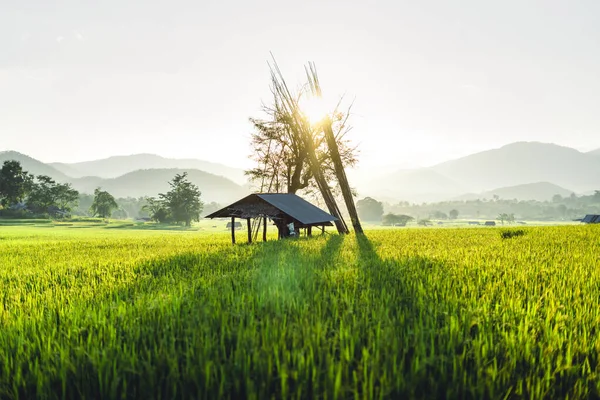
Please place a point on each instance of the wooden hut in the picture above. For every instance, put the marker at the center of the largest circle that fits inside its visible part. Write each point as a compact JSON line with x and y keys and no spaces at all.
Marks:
{"x":283,"y":209}
{"x":591,"y":219}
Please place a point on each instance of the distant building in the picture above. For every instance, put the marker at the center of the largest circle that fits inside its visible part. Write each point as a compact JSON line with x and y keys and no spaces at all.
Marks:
{"x":490,"y":223}
{"x":238,"y":225}
{"x":591,"y":219}
{"x":473,"y":222}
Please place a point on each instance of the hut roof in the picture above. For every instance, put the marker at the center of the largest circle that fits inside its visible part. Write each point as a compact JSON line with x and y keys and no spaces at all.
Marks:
{"x":591,"y":219}
{"x":276,"y":205}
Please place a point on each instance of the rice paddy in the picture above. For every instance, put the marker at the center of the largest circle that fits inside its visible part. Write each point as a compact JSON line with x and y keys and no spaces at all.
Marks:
{"x":413,"y":313}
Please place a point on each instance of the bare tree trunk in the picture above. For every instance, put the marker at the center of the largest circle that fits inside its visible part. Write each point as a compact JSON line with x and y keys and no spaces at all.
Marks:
{"x":332,"y":206}
{"x":341,"y":175}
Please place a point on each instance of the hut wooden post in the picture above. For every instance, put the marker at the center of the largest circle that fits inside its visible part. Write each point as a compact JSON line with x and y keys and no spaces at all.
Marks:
{"x":341,"y":174}
{"x":232,"y":230}
{"x":264,"y":229}
{"x":309,"y":231}
{"x":249,"y":230}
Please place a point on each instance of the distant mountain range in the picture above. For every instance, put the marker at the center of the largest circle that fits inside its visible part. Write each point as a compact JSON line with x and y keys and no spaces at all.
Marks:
{"x":116,"y":166}
{"x":595,"y":152}
{"x":141,"y":182}
{"x":521,"y":163}
{"x":540,"y":191}
{"x":522,"y":170}
{"x":33,"y":166}
{"x":147,"y":182}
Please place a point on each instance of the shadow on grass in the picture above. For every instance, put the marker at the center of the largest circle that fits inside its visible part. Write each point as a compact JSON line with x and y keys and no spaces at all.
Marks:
{"x":268,"y":320}
{"x":282,"y":319}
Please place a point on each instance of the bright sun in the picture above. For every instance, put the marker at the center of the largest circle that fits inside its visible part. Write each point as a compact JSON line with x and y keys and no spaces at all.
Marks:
{"x":314,"y":108}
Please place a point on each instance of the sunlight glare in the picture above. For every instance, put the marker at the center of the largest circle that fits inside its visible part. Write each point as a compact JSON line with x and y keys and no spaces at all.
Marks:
{"x":314,"y":108}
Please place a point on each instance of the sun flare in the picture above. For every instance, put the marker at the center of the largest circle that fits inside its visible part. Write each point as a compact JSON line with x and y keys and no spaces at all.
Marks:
{"x":314,"y":108}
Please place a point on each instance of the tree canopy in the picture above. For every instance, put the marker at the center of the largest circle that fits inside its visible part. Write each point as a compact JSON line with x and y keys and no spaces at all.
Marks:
{"x":183,"y":200}
{"x":396,"y":220}
{"x":180,"y":204}
{"x":453,"y":214}
{"x":369,"y":209}
{"x":48,"y":196}
{"x":15,"y":183}
{"x":279,"y":148}
{"x":104,"y":204}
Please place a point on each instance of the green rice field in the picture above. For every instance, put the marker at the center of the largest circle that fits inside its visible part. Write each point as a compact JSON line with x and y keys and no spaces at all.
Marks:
{"x":457,"y":313}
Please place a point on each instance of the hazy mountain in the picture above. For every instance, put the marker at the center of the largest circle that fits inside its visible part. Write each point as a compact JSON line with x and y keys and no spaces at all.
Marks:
{"x":523,"y":163}
{"x":595,"y":152}
{"x":421,"y":185}
{"x":67,"y":170}
{"x":540,"y":191}
{"x":32,"y":165}
{"x":144,"y":182}
{"x":150,"y":182}
{"x":116,"y":166}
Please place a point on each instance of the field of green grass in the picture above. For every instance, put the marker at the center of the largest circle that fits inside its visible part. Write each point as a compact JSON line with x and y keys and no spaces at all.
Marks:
{"x":133,"y":312}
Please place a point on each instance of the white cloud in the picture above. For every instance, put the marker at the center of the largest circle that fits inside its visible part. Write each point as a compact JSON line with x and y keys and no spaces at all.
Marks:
{"x":59,"y":39}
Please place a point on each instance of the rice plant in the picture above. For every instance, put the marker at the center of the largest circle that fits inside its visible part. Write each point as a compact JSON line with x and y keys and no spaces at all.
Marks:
{"x":416,"y":313}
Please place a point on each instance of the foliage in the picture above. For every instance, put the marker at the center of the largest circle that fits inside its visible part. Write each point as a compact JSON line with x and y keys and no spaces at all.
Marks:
{"x":157,"y":210}
{"x":512,"y":233}
{"x":568,"y":208}
{"x":48,"y":196}
{"x":15,"y":183}
{"x":439,"y":215}
{"x":103,"y":205}
{"x":279,"y":148}
{"x":504,"y":217}
{"x":369,"y":209}
{"x":419,"y":313}
{"x":424,"y":222}
{"x":396,"y":220}
{"x":453,"y":214}
{"x":183,"y":200}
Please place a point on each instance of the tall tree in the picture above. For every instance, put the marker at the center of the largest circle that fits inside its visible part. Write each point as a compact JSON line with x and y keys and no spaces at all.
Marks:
{"x":396,"y":220}
{"x":183,"y":200}
{"x":15,"y":183}
{"x":47,"y":195}
{"x":370,"y":209}
{"x":157,"y":209}
{"x":334,"y":151}
{"x":295,"y":153}
{"x":104,"y":204}
{"x":279,"y":149}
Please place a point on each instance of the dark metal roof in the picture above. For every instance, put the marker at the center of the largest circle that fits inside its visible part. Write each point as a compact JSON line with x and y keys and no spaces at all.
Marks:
{"x":591,"y":219}
{"x":287,"y":203}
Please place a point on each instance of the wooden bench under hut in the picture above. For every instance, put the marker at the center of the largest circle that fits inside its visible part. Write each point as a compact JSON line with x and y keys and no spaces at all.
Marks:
{"x":288,"y":212}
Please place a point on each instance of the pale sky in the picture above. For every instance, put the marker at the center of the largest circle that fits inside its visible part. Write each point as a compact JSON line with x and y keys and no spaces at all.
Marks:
{"x":431,"y":80}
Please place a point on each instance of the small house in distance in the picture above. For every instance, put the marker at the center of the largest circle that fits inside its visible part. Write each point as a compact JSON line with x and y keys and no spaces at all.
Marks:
{"x":490,"y":223}
{"x":288,"y":212}
{"x":591,"y":219}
